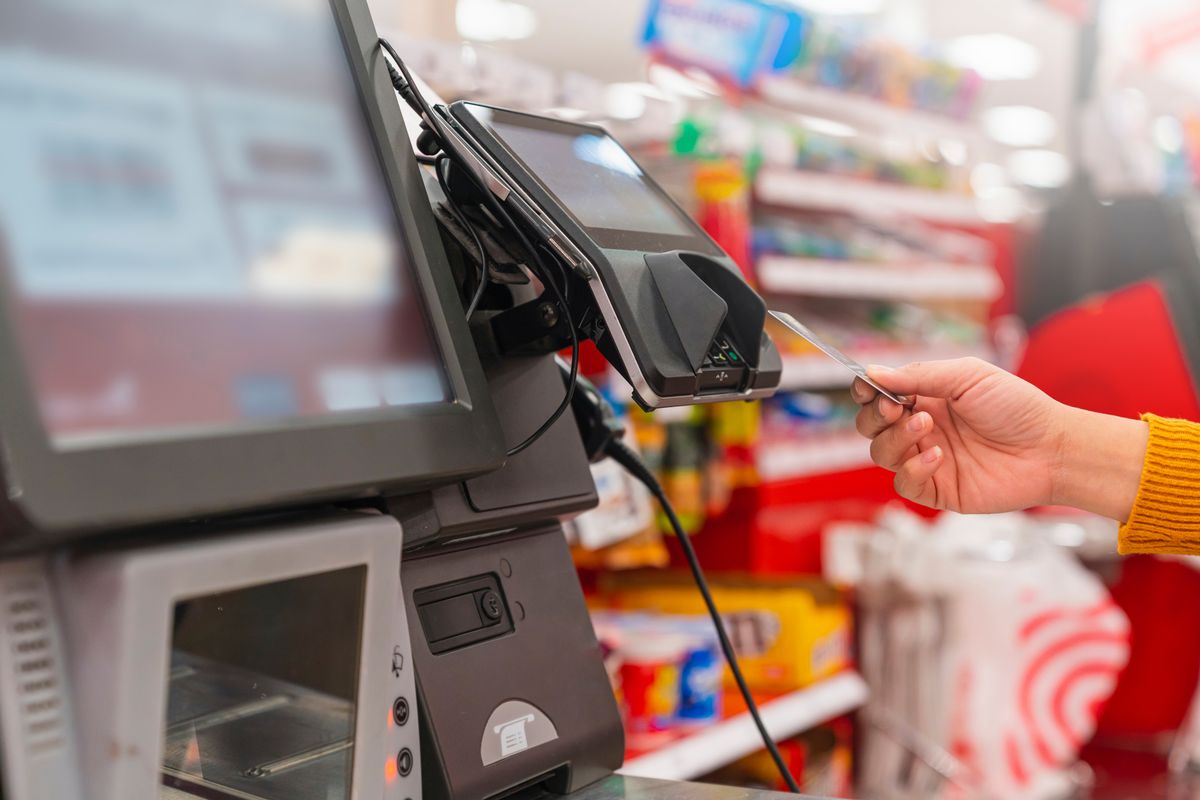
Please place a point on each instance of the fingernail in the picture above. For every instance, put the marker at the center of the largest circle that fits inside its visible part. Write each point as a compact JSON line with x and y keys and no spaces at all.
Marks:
{"x":930,"y":456}
{"x":879,"y":369}
{"x":917,"y":422}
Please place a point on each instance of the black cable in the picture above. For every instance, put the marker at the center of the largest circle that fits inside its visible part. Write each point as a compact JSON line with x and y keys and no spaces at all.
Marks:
{"x":458,"y":215}
{"x":503,"y":216}
{"x":623,"y":455}
{"x":406,"y":87}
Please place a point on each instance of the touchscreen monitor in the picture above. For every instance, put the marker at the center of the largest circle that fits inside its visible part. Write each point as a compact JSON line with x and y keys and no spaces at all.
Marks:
{"x":595,"y":180}
{"x":195,"y":231}
{"x":222,"y":287}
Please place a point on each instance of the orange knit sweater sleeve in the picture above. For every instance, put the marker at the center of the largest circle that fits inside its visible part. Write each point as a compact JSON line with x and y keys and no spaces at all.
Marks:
{"x":1166,"y":514}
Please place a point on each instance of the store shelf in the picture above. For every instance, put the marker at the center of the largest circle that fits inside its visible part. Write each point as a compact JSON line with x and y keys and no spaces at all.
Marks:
{"x":785,"y":460}
{"x":861,"y":111}
{"x":813,"y":190}
{"x":822,"y":278}
{"x":820,"y":372}
{"x":725,"y":742}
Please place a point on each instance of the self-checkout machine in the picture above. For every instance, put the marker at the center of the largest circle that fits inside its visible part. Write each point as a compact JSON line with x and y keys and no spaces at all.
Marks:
{"x":228,"y":330}
{"x":236,"y":383}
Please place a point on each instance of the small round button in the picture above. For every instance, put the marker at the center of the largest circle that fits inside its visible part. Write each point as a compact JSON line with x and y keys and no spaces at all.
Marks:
{"x":490,"y":604}
{"x":404,"y":762}
{"x":400,"y":710}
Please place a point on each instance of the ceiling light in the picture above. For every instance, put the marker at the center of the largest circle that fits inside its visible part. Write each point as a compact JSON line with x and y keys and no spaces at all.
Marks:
{"x":494,"y":20}
{"x":843,"y":7}
{"x":673,"y":81}
{"x":988,"y":176}
{"x":1041,"y":169}
{"x":1020,"y":126}
{"x":625,"y":100}
{"x":1001,"y":204}
{"x":827,"y":127}
{"x":995,"y":56}
{"x":566,"y":112}
{"x":1168,"y":134}
{"x":953,"y":150}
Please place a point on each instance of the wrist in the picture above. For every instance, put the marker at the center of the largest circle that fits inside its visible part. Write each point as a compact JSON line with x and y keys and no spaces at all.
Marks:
{"x":1099,"y":464}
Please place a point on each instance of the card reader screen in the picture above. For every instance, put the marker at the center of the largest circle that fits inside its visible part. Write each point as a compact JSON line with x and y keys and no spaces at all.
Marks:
{"x":194,"y":227}
{"x":589,"y":172}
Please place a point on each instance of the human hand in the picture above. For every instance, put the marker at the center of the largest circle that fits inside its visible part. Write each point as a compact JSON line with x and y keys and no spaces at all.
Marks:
{"x":980,"y":440}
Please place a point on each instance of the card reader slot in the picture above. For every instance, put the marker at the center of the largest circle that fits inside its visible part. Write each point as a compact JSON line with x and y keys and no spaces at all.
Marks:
{"x":462,"y":613}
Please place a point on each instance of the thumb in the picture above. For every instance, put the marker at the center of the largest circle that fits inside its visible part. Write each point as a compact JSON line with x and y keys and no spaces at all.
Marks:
{"x":947,"y":379}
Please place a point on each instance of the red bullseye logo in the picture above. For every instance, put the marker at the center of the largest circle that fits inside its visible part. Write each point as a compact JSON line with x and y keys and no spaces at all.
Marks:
{"x":1070,"y":661}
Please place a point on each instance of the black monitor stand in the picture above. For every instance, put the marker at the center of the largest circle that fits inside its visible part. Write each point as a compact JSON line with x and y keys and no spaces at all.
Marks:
{"x":514,"y":698}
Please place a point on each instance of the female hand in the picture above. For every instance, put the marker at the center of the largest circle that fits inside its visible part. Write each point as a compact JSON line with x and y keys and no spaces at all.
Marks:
{"x":980,"y":440}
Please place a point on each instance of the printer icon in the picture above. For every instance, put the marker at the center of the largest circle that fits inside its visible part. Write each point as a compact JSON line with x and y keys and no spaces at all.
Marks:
{"x":514,"y":727}
{"x":512,"y":735}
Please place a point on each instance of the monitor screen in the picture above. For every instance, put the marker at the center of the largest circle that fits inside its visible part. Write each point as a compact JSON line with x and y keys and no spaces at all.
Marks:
{"x":589,"y":172}
{"x":194,"y":228}
{"x":254,"y":709}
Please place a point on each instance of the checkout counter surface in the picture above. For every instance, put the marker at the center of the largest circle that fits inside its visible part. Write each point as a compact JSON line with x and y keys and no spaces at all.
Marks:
{"x":620,"y":787}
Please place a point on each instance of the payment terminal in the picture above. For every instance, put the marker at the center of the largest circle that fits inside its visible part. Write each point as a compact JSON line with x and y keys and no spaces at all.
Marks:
{"x":668,"y":307}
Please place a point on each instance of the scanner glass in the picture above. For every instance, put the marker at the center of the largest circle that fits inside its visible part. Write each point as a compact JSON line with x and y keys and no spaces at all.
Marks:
{"x":194,"y":225}
{"x":262,"y":691}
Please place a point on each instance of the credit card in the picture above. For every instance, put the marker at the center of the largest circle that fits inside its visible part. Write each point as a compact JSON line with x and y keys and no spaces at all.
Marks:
{"x":803,"y":331}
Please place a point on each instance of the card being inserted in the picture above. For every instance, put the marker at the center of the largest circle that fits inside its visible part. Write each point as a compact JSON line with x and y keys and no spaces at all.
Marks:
{"x":800,"y":329}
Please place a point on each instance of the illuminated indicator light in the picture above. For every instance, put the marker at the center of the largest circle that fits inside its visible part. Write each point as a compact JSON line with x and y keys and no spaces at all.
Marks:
{"x":390,"y":771}
{"x":391,"y":719}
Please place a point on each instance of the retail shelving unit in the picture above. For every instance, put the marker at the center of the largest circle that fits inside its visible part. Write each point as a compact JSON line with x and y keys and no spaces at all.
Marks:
{"x":723,"y":743}
{"x":794,"y":188}
{"x":861,"y":111}
{"x":918,"y":281}
{"x":807,"y":373}
{"x":786,"y":460}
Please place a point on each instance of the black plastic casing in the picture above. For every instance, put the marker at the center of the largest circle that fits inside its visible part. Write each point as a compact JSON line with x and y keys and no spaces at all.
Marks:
{"x":50,"y":495}
{"x":620,"y":260}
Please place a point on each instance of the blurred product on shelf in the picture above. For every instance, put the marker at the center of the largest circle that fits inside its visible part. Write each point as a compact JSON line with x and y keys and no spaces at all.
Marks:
{"x":882,"y":331}
{"x":867,"y":240}
{"x":744,"y":41}
{"x":848,"y":60}
{"x":625,"y":509}
{"x":715,"y":130}
{"x":735,"y":40}
{"x":998,"y":708}
{"x":788,"y":633}
{"x":666,"y":673}
{"x":821,"y":759}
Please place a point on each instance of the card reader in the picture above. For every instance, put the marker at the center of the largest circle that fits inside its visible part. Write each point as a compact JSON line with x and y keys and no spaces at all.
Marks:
{"x":664,"y":303}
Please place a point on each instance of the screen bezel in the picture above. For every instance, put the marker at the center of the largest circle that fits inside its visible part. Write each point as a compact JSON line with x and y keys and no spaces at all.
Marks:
{"x":607,"y":238}
{"x":69,"y":492}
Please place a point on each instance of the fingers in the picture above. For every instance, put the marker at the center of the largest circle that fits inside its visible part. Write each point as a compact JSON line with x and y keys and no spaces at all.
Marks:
{"x":862,"y":392}
{"x":933,"y":378}
{"x":914,"y":479}
{"x":877,"y":416}
{"x":893,"y":446}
